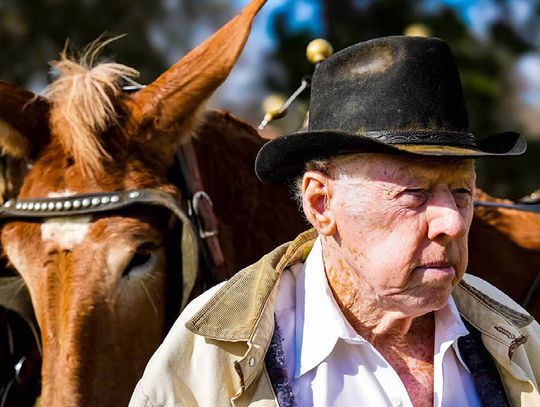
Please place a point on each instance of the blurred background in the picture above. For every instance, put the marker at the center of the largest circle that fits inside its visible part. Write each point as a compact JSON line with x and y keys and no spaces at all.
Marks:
{"x":496,"y":44}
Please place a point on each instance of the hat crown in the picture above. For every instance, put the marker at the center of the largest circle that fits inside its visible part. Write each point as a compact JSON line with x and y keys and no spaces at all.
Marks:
{"x":392,"y":84}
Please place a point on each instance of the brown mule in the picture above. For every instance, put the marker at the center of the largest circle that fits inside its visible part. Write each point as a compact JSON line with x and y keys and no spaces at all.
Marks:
{"x":98,"y":282}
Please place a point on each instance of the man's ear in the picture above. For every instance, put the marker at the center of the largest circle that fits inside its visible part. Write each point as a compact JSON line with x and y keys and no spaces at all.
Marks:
{"x":316,"y":196}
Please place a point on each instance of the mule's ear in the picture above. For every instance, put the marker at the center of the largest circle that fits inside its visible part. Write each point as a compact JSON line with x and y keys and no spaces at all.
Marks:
{"x":24,"y":131}
{"x":24,"y":122}
{"x":175,"y":96}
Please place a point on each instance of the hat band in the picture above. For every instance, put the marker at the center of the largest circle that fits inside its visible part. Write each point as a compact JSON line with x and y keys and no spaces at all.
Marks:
{"x":446,"y":137}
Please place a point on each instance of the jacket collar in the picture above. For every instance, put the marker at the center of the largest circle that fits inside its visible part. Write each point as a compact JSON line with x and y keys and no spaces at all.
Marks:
{"x":234,"y":312}
{"x":494,"y":314}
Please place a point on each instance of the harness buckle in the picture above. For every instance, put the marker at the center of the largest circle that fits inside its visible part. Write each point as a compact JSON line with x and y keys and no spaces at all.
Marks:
{"x":200,"y":199}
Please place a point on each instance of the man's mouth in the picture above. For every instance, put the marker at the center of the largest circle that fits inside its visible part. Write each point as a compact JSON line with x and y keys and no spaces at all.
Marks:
{"x":436,"y":264}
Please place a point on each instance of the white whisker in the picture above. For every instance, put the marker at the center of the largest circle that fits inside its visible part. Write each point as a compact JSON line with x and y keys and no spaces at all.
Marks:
{"x":149,"y":297}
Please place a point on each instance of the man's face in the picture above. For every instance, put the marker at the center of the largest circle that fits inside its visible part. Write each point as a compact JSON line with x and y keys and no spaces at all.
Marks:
{"x":401,"y":229}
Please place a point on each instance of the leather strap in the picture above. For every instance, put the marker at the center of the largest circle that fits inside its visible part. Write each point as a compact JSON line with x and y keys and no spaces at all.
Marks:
{"x":525,"y":207}
{"x":203,"y":211}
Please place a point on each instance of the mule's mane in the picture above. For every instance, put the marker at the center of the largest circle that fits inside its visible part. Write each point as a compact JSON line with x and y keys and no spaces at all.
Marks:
{"x":83,"y":105}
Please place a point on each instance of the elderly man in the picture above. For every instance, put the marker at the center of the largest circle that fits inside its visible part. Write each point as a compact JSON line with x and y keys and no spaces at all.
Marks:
{"x":371,"y":307}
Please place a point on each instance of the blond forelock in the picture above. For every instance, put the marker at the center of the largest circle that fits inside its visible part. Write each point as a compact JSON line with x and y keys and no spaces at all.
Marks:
{"x":84,"y":104}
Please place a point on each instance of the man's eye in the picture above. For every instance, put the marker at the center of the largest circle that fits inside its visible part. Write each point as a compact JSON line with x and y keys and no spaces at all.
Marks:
{"x":463,"y":197}
{"x":414,"y":196}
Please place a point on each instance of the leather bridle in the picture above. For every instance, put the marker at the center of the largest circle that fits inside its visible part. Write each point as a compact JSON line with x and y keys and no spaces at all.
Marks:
{"x":109,"y":202}
{"x":525,"y":207}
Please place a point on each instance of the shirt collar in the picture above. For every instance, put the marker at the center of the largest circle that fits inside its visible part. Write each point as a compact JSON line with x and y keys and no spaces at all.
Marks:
{"x":320,"y":322}
{"x":449,"y":327}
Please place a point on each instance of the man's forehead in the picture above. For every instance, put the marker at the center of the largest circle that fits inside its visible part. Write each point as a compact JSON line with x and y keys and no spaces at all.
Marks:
{"x":387,"y":167}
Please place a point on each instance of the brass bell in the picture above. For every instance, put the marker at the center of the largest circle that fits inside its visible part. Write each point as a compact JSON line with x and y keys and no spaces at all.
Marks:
{"x":417,"y":30}
{"x":318,"y":50}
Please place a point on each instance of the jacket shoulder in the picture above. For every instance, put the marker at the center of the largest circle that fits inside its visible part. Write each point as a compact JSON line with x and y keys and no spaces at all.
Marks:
{"x":473,"y":290}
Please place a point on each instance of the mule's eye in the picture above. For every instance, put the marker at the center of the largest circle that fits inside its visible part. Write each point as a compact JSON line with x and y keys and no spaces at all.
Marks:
{"x":139,"y":259}
{"x":142,"y":259}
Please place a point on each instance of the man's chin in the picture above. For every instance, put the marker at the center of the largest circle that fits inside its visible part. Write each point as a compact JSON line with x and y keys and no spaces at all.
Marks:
{"x":421,"y":303}
{"x":439,"y":297}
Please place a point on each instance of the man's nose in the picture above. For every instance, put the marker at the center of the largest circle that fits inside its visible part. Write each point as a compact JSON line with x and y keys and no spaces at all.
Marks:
{"x":445,"y":221}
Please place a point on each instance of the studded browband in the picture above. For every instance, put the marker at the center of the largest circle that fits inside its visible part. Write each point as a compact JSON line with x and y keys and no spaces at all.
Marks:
{"x":83,"y":204}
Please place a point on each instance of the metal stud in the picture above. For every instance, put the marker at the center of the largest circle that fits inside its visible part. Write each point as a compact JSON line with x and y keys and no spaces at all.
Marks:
{"x":85,"y":203}
{"x":134,"y":194}
{"x":37,"y":206}
{"x":8,"y":203}
{"x":30,"y":206}
{"x":24,"y":206}
{"x":105,"y":200}
{"x":58,"y":206}
{"x":67,"y":205}
{"x":96,"y":201}
{"x":115,"y":198}
{"x":18,"y":206}
{"x":50,"y":206}
{"x":76,"y":204}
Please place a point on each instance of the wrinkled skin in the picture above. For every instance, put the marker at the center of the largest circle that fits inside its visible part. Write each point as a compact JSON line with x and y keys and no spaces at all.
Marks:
{"x":396,"y":235}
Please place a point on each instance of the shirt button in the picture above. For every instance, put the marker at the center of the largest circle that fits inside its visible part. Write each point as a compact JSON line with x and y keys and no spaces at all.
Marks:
{"x":251,"y":361}
{"x":396,"y":401}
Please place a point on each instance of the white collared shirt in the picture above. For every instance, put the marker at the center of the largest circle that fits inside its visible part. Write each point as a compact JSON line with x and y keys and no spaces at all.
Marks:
{"x":329,"y":364}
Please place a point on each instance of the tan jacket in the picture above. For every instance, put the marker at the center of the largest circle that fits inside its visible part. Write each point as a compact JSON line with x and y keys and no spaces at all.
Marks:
{"x":214,"y":354}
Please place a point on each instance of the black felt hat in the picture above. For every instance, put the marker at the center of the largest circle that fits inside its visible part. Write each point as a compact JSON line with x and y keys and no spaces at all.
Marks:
{"x":394,"y":95}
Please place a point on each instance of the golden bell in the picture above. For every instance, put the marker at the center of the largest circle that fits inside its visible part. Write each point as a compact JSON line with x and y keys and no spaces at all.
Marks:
{"x":417,"y":30}
{"x":318,"y":50}
{"x":273,"y":102}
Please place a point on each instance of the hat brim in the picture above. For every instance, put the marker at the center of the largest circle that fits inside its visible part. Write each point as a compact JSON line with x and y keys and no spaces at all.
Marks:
{"x":284,"y":158}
